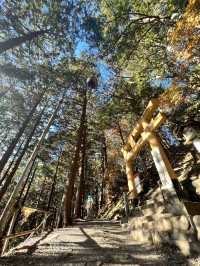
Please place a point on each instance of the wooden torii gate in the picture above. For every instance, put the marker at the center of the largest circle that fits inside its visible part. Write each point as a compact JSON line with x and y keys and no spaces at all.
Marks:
{"x":145,"y":132}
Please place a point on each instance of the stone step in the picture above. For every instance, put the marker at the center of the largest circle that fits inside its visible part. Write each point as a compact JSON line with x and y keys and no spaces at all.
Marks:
{"x":182,"y":239}
{"x":153,"y":210}
{"x":165,"y":222}
{"x":196,"y":183}
{"x":186,"y":246}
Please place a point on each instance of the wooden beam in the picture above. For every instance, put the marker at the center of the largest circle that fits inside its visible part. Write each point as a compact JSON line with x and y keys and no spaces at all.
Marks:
{"x":155,"y":124}
{"x":131,"y":141}
{"x":151,"y":108}
{"x":131,"y":155}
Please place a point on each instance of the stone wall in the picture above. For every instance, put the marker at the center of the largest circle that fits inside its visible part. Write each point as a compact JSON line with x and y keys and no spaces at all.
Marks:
{"x":161,"y":221}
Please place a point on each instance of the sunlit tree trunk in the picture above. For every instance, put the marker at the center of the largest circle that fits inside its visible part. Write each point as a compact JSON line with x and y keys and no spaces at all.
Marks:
{"x":103,"y":166}
{"x":14,"y":142}
{"x":59,"y":212}
{"x":81,"y":191}
{"x":29,"y":182}
{"x":13,"y":42}
{"x":69,"y":193}
{"x":10,"y":206}
{"x":17,"y":163}
{"x":17,"y":212}
{"x":5,"y":174}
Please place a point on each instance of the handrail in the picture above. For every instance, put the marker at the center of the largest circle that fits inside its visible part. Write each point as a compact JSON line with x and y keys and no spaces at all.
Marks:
{"x":19,"y":234}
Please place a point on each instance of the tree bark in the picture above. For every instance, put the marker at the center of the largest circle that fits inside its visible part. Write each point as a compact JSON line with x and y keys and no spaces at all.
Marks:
{"x":18,"y":161}
{"x":9,"y":208}
{"x":13,"y":42}
{"x":59,"y":212}
{"x":22,"y":200}
{"x":14,"y":142}
{"x":31,"y":172}
{"x":104,"y":166}
{"x":120,"y":133}
{"x":52,"y":193}
{"x":41,"y":192}
{"x":69,"y":193}
{"x":53,"y":183}
{"x":82,"y":177}
{"x":11,"y":163}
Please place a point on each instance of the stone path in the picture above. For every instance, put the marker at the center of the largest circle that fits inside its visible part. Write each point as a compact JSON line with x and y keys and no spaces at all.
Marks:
{"x":89,"y":243}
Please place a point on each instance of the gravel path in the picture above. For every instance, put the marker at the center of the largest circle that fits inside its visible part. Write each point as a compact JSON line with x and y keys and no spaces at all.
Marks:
{"x":90,"y":243}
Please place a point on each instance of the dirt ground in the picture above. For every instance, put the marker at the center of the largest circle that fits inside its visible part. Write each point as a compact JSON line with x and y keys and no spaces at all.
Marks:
{"x":91,"y":243}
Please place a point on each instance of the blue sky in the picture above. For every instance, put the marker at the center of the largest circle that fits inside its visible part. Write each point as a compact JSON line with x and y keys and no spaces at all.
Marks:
{"x":106,"y":72}
{"x":103,"y":68}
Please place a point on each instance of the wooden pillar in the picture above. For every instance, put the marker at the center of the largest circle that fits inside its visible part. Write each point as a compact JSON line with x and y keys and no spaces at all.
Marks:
{"x":196,"y":143}
{"x":130,"y":178}
{"x":161,"y":161}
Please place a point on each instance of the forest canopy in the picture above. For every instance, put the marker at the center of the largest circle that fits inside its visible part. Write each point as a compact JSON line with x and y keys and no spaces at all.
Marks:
{"x":75,"y":77}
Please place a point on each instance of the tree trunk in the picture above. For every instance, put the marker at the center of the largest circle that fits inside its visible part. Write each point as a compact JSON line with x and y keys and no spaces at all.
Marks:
{"x":18,"y":210}
{"x":14,"y":142}
{"x":29,"y":186}
{"x":104,"y":166}
{"x":53,"y":183}
{"x":69,"y":193}
{"x":120,"y":133}
{"x":11,"y":43}
{"x":31,"y":172}
{"x":18,"y":161}
{"x":59,"y":212}
{"x":82,"y":177}
{"x":9,"y":208}
{"x":11,"y":163}
{"x":41,"y":192}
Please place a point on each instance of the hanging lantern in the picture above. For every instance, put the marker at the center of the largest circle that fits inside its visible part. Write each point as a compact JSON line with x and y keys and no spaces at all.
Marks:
{"x":92,"y":82}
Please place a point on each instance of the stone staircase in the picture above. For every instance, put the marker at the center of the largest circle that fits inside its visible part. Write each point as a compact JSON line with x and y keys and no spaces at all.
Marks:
{"x":161,"y":221}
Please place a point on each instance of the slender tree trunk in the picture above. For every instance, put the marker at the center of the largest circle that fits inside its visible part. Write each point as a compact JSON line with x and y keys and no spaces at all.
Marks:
{"x":52,"y":192}
{"x":82,"y":177}
{"x":31,"y":172}
{"x":69,"y":193}
{"x":29,"y":186}
{"x":18,"y":161}
{"x":53,"y":183}
{"x":18,"y":211}
{"x":59,"y":212}
{"x":105,"y":152}
{"x":120,"y":133}
{"x":104,"y":166}
{"x":14,"y":142}
{"x":11,"y":163}
{"x":22,"y":200}
{"x":9,"y":208}
{"x":41,"y":192}
{"x":103,"y":180}
{"x":11,"y":43}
